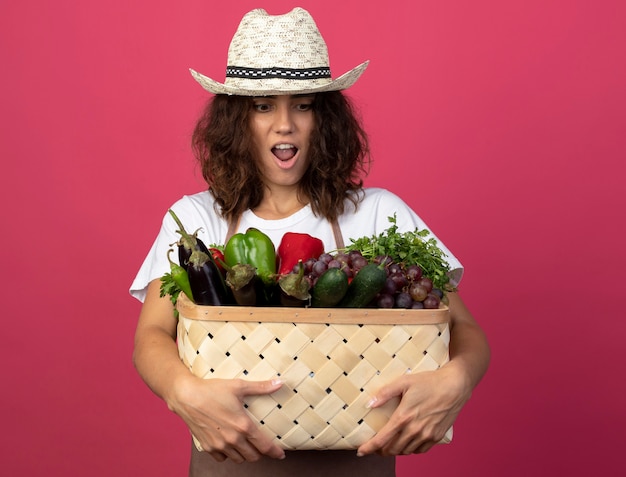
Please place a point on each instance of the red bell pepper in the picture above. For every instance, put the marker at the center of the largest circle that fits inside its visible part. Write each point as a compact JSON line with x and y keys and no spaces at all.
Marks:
{"x":295,"y":247}
{"x":218,"y":257}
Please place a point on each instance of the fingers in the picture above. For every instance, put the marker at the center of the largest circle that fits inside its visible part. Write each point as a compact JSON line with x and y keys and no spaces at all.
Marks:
{"x":421,"y":449}
{"x":216,"y":416}
{"x":378,"y":442}
{"x":252,"y":388}
{"x":415,"y":423}
{"x":239,"y":446}
{"x":383,"y":395}
{"x":266,"y":446}
{"x":218,"y":456}
{"x":240,"y":451}
{"x":397,"y":443}
{"x":406,"y":444}
{"x":237,"y":454}
{"x":391,"y":429}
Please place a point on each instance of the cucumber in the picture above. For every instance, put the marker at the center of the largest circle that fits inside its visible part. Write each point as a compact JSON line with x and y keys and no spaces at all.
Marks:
{"x":329,"y":289}
{"x":364,"y":287}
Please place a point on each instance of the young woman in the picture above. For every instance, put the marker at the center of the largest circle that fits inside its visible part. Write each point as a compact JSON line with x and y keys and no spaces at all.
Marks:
{"x":282,"y":150}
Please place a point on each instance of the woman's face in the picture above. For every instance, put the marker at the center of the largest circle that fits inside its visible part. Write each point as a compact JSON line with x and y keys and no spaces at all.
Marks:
{"x":281,"y":128}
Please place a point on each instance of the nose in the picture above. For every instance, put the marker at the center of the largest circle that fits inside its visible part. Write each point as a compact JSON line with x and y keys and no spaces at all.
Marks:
{"x":283,"y":119}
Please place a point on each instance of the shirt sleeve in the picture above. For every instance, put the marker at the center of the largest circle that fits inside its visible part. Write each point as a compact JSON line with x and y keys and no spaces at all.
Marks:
{"x":156,"y":264}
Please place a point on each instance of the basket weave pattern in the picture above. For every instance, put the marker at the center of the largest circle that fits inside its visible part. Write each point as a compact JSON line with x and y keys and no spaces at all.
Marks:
{"x":330,"y":371}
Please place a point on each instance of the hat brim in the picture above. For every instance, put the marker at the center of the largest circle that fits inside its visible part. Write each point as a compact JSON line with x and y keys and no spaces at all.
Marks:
{"x":276,"y":86}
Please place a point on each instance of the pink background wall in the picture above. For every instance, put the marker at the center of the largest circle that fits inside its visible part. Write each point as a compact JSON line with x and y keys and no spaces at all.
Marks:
{"x":501,"y":123}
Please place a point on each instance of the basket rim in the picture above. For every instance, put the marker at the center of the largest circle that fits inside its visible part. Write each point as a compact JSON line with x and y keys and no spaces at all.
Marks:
{"x":279,"y":314}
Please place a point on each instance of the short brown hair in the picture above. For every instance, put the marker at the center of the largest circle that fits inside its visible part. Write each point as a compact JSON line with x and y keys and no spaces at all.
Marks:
{"x":222,"y":144}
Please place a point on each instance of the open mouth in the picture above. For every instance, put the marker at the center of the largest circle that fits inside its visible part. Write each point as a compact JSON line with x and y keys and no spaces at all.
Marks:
{"x":284,"y":152}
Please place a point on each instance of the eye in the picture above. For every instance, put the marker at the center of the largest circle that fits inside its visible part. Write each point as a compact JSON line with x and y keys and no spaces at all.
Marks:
{"x":306,"y":106}
{"x":261,"y":107}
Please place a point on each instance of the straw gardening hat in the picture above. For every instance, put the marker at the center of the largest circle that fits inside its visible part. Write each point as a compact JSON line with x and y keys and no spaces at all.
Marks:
{"x":278,"y":54}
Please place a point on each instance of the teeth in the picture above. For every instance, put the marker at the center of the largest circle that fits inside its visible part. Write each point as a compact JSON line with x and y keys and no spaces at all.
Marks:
{"x":285,"y":146}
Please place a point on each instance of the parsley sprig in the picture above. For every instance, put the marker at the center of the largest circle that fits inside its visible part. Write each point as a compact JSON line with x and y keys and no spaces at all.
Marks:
{"x":409,"y":248}
{"x":170,"y":288}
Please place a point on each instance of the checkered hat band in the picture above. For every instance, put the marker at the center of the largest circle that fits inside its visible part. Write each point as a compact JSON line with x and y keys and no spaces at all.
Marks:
{"x":288,"y":73}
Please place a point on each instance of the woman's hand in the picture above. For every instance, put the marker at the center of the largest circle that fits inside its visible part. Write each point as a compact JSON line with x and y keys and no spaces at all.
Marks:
{"x":431,"y":400}
{"x":213,"y":410}
{"x":430,"y":403}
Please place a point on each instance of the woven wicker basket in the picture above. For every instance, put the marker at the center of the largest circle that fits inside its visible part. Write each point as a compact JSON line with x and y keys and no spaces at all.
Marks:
{"x":332,"y":361}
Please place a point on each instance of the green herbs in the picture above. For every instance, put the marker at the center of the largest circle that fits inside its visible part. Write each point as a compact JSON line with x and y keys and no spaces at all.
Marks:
{"x":410,"y":248}
{"x":170,"y":288}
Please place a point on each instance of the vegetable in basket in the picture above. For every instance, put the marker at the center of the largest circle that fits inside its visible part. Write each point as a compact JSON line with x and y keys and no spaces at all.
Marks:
{"x":253,"y":248}
{"x":206,"y":280}
{"x":218,"y":257}
{"x":329,"y":288}
{"x":187,"y":242}
{"x":413,"y":247}
{"x":365,"y":286}
{"x":243,"y":282}
{"x":180,"y":277}
{"x":295,"y":247}
{"x":294,"y":288}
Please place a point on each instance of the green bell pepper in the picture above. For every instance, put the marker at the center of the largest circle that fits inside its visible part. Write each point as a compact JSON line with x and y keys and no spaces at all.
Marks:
{"x":253,"y":248}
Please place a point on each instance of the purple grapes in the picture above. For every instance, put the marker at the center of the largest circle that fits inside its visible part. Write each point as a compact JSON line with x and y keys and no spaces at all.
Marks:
{"x":406,"y":286}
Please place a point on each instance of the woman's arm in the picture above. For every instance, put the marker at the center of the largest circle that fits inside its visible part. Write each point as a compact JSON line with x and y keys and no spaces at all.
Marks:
{"x":211,"y":408}
{"x":432,"y":400}
{"x":469,"y":349}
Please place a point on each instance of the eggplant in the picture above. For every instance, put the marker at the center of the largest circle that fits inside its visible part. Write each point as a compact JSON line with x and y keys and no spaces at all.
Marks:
{"x":295,"y":288}
{"x":206,"y":280}
{"x":243,"y":282}
{"x":187,"y":243}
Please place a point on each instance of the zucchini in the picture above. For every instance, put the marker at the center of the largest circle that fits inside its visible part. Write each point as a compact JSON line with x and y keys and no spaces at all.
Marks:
{"x":365,"y":286}
{"x":329,"y":289}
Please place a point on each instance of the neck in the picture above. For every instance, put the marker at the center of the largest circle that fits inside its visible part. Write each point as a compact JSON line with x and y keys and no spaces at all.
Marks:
{"x":279,"y":204}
